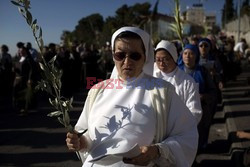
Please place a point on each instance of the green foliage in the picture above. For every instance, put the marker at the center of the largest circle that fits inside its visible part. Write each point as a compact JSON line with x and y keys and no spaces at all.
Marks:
{"x":109,"y":28}
{"x":134,"y":15}
{"x":178,"y":26}
{"x":51,"y":82}
{"x":88,"y":28}
{"x":215,"y":29}
{"x":228,"y":12}
{"x":245,"y":9}
{"x":67,"y":37}
{"x":95,"y":30}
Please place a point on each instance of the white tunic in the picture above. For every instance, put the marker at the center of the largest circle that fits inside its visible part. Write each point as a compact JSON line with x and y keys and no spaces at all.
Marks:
{"x":127,"y":113}
{"x":185,"y":87}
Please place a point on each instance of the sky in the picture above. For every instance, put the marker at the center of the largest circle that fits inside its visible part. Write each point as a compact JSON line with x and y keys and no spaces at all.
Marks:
{"x":55,"y":16}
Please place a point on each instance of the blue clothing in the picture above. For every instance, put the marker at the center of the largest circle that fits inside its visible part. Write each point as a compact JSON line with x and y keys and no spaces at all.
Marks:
{"x":208,"y":41}
{"x":197,"y":72}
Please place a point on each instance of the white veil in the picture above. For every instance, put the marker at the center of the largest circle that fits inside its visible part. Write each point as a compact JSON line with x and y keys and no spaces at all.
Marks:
{"x":149,"y":53}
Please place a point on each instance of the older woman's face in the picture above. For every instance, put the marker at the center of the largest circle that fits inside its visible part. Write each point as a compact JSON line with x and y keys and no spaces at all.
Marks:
{"x":188,"y":57}
{"x":164,"y":61}
{"x":131,"y":65}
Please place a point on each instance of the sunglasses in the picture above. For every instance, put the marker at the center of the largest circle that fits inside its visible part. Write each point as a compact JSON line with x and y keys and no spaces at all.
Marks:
{"x":119,"y":56}
{"x":203,"y":45}
{"x":163,"y":60}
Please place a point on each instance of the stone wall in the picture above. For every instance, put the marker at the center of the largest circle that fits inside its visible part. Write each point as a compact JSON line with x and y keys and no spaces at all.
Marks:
{"x":232,"y":28}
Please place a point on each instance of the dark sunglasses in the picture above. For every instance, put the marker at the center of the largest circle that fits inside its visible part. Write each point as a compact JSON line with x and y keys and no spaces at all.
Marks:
{"x":203,"y":45}
{"x":163,"y":60}
{"x":119,"y":56}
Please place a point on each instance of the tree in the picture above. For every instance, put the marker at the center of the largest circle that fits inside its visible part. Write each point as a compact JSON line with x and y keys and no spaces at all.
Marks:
{"x":215,"y":29}
{"x":109,"y":28}
{"x":94,"y":30}
{"x":245,"y":3}
{"x":149,"y":19}
{"x":132,"y":15}
{"x":67,"y":38}
{"x":245,"y":9}
{"x":89,"y":28}
{"x":228,"y":12}
{"x":196,"y":29}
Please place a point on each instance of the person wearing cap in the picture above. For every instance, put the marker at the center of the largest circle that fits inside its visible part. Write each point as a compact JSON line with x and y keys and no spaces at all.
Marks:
{"x":165,"y":67}
{"x":131,"y":109}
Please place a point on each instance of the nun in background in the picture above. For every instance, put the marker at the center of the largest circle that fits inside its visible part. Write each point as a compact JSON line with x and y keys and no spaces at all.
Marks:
{"x":165,"y":67}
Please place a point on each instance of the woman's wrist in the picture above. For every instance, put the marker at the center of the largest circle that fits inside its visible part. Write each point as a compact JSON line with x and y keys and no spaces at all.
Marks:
{"x":157,"y":151}
{"x":83,"y":143}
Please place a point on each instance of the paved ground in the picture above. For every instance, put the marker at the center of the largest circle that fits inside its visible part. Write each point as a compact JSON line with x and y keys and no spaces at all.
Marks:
{"x":37,"y":140}
{"x":224,"y":148}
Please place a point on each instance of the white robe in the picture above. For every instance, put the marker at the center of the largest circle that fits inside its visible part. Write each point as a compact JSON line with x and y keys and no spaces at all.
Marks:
{"x":185,"y":87}
{"x":128,"y":113}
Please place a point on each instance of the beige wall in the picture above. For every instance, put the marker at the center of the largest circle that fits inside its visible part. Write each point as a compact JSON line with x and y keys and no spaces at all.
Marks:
{"x":232,"y":28}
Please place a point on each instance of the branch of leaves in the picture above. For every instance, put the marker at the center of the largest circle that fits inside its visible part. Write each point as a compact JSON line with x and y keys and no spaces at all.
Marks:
{"x":52,"y":84}
{"x":177,"y":26}
{"x":63,"y":106}
{"x":62,"y":112}
{"x":52,"y":76}
{"x":23,"y":7}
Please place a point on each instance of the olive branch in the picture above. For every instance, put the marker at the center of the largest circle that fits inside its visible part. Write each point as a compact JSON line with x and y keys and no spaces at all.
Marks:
{"x":51,"y":82}
{"x":178,"y":26}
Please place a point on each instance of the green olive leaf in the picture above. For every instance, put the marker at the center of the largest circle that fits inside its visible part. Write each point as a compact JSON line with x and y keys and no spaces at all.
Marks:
{"x":55,"y":114}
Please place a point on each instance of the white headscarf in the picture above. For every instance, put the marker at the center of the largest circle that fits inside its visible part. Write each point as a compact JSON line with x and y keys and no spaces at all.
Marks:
{"x":168,"y":46}
{"x":149,"y":53}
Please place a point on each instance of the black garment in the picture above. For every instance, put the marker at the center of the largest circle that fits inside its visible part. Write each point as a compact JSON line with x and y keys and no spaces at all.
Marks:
{"x":49,"y":55}
{"x":7,"y":77}
{"x":76,"y":71}
{"x":246,"y":157}
{"x":64,"y":63}
{"x":25,"y":83}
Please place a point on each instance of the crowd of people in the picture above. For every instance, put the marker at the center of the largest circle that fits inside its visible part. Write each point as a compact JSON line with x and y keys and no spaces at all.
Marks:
{"x":180,"y":101}
{"x":20,"y":73}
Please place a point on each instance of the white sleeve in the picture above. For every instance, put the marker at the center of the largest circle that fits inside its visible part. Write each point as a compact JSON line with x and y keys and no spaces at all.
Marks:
{"x":236,"y":47}
{"x":82,"y":125}
{"x":193,"y":100}
{"x":82,"y":122}
{"x":180,"y":146}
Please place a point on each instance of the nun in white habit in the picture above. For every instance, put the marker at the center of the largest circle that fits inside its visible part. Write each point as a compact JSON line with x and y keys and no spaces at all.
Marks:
{"x":134,"y":119}
{"x":165,"y":67}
